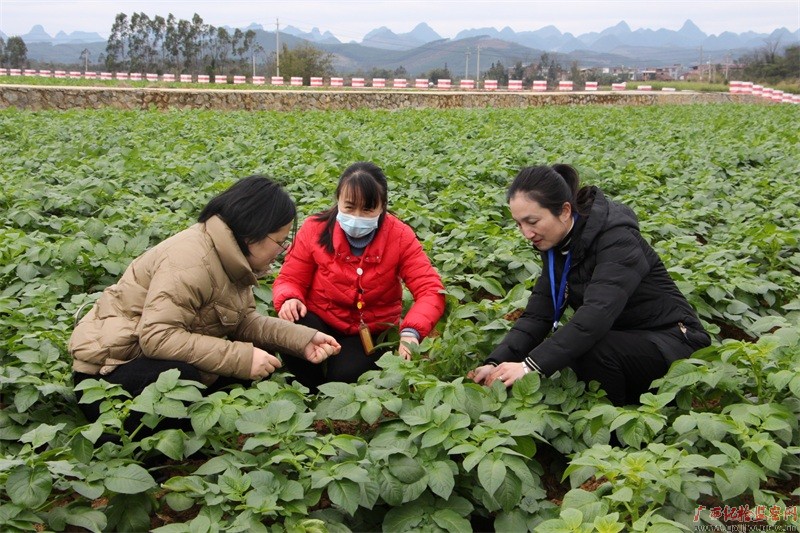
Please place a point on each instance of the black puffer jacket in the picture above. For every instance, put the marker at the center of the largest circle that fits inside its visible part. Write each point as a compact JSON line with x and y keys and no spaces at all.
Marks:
{"x":616,"y":282}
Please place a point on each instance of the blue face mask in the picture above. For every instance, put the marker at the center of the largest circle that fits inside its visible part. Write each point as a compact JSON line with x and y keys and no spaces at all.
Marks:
{"x":357,"y":227}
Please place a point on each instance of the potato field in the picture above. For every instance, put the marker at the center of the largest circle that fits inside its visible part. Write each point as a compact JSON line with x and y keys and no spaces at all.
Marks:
{"x":415,"y":446}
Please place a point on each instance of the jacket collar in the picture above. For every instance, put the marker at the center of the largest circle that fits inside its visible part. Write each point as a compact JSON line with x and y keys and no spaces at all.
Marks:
{"x":230,"y":255}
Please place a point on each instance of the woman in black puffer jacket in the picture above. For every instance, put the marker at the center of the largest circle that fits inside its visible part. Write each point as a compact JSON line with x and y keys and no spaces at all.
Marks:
{"x":630,"y":322}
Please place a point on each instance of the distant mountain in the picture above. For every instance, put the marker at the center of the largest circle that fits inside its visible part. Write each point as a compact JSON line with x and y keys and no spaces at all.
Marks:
{"x":689,"y":35}
{"x":38,"y":35}
{"x":78,"y":37}
{"x":315,"y":36}
{"x":386,"y":39}
{"x":422,"y":49}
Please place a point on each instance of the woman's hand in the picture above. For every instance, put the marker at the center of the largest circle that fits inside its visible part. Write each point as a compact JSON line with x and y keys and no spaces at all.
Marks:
{"x":321,"y":346}
{"x":480,"y":374}
{"x":406,"y":351}
{"x":263,"y":364}
{"x":292,"y":310}
{"x":508,"y":373}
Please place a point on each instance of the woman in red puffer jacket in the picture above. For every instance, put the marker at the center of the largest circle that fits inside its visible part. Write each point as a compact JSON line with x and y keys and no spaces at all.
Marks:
{"x":343,"y":276}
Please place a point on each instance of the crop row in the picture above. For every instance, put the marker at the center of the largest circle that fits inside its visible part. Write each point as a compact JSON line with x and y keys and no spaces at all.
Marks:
{"x":715,"y":188}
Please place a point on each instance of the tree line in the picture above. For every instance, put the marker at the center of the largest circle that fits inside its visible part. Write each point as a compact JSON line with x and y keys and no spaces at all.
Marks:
{"x":142,"y":44}
{"x":13,"y":53}
{"x":768,"y":65}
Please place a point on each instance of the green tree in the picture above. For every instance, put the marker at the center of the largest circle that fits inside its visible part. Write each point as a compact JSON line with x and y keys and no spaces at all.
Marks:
{"x":575,"y":74}
{"x":306,"y":61}
{"x":118,"y":43}
{"x":767,"y":65}
{"x":382,"y":73}
{"x":497,"y":72}
{"x":436,"y":74}
{"x":16,"y":52}
{"x":517,"y":71}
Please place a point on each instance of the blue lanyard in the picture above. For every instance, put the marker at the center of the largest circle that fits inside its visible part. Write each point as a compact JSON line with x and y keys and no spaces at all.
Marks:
{"x":558,"y":300}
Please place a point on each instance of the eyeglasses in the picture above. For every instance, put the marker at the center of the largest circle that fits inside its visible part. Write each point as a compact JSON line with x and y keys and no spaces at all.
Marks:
{"x":284,"y":244}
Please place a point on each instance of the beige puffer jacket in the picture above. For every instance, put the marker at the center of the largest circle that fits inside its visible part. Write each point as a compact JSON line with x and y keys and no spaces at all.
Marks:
{"x":190,"y":298}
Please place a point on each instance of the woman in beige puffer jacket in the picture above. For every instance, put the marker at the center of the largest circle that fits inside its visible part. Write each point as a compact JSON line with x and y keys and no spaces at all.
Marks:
{"x":188,"y":302}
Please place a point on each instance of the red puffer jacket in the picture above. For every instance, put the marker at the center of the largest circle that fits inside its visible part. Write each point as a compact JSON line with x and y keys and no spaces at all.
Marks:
{"x":327,"y":282}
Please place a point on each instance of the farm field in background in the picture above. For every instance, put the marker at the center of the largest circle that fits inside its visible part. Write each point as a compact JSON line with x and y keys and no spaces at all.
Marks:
{"x":413,"y":446}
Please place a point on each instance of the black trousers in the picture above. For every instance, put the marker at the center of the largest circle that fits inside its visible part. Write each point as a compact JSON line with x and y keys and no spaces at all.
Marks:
{"x":134,"y":376}
{"x":625,"y":364}
{"x":346,"y":366}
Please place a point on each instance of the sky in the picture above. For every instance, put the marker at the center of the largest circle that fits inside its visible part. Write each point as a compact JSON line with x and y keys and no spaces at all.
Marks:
{"x":350,"y":20}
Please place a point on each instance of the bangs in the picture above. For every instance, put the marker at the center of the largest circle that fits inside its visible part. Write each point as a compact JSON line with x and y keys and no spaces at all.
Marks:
{"x":362,"y":190}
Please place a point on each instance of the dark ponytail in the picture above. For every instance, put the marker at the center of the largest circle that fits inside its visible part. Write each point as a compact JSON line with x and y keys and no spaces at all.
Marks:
{"x":551,"y":187}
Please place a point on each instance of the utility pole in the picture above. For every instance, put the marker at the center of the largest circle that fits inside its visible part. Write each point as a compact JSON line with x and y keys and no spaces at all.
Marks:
{"x":478,"y":65}
{"x":277,"y":48}
{"x":701,"y":63}
{"x":466,"y":67}
{"x":727,"y":65}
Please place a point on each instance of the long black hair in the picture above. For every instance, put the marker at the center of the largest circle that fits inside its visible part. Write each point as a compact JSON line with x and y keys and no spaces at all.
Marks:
{"x":551,"y":187}
{"x":366,"y":185}
{"x":253,"y":207}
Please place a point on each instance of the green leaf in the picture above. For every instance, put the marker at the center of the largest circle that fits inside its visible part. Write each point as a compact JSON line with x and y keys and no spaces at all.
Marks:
{"x":204,"y":416}
{"x":90,"y":491}
{"x":608,"y":524}
{"x":86,"y":518}
{"x":42,"y":434}
{"x":625,"y":494}
{"x":129,"y":479}
{"x":509,"y":493}
{"x":573,"y":518}
{"x":515,"y":521}
{"x":555,"y":525}
{"x":406,"y":469}
{"x":434,"y":437}
{"x":441,"y":479}
{"x":449,"y":520}
{"x":345,"y":494}
{"x":28,"y":486}
{"x":170,"y":443}
{"x":684,"y":424}
{"x":771,"y":456}
{"x":129,"y":512}
{"x":179,"y":502}
{"x":27,"y":272}
{"x":137,"y":244}
{"x":371,"y":410}
{"x":491,"y":473}
{"x":25,"y":398}
{"x":737,"y":308}
{"x":585,"y":501}
{"x":634,"y":433}
{"x":115,"y":245}
{"x":403,"y":518}
{"x":418,"y":416}
{"x":741,"y":477}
